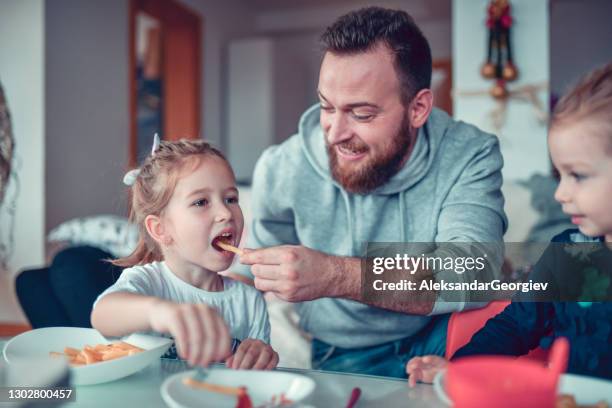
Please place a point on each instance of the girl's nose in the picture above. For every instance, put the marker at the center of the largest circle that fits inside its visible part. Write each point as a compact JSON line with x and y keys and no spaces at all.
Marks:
{"x":222,"y":213}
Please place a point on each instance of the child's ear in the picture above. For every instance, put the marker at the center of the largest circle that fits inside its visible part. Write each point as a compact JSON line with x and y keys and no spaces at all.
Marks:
{"x":156,"y":230}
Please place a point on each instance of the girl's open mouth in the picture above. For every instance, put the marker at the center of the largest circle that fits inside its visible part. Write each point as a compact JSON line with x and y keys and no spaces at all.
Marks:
{"x":225,"y":237}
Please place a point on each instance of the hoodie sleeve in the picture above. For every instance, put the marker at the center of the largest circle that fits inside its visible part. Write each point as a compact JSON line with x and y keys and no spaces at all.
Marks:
{"x":473,"y":212}
{"x":272,"y":220}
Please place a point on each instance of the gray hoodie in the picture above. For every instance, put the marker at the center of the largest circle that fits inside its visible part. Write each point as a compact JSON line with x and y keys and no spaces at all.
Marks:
{"x":448,"y":191}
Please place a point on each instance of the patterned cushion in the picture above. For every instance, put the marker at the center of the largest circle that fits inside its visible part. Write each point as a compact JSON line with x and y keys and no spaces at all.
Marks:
{"x":110,"y":233}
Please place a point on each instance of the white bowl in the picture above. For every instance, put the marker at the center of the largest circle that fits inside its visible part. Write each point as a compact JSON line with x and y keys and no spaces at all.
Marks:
{"x":261,"y":387}
{"x":38,"y":343}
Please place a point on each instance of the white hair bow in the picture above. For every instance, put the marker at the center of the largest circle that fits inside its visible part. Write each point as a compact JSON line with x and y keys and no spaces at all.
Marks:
{"x":130,"y":177}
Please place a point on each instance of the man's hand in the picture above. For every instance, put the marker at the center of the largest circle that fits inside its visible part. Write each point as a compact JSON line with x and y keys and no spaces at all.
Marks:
{"x":297,"y":273}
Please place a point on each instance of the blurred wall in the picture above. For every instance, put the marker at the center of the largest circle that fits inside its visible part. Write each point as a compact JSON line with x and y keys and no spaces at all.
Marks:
{"x":580,"y":39}
{"x":87,"y":98}
{"x":87,"y":108}
{"x":292,"y":31}
{"x":22,"y":76}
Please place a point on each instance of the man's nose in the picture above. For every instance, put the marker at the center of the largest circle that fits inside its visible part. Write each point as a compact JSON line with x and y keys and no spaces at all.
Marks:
{"x":336,"y":128}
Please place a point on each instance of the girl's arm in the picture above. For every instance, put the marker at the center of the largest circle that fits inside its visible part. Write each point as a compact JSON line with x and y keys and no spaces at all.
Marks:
{"x":200,"y":334}
{"x":121,"y":313}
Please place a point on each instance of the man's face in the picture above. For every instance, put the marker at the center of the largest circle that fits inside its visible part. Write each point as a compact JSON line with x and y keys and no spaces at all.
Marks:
{"x":367,"y":131}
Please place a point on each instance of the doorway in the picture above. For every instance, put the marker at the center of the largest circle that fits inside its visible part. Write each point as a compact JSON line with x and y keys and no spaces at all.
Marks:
{"x":165,"y":74}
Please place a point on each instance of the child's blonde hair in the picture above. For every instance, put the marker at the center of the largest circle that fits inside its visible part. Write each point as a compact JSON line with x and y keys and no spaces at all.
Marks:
{"x":590,"y":98}
{"x":154,"y":187}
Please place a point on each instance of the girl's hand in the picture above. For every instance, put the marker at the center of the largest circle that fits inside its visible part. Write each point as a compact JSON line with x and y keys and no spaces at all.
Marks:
{"x":200,"y":334}
{"x":253,"y":354}
{"x":424,"y":368}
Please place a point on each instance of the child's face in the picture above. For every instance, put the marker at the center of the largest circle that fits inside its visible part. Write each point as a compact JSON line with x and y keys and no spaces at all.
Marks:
{"x":581,"y":154}
{"x":204,"y":206}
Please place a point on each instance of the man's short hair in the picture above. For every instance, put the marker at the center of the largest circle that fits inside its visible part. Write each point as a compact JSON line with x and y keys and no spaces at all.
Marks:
{"x":362,"y":30}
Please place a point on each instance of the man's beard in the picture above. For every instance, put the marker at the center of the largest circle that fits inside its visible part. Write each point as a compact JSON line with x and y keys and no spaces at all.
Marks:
{"x":378,"y":169}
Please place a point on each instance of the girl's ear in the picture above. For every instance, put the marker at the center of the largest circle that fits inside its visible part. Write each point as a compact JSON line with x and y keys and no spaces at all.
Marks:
{"x":156,"y":230}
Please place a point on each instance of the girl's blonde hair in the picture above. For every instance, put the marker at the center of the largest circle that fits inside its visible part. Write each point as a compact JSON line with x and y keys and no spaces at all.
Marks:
{"x":154,"y":187}
{"x":590,"y":98}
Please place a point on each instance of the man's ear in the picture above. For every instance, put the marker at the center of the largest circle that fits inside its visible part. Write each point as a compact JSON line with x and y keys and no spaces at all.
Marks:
{"x":420,"y":108}
{"x":156,"y":230}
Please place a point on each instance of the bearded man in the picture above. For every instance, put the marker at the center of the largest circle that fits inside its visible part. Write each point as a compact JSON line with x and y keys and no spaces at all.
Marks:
{"x":373,"y":161}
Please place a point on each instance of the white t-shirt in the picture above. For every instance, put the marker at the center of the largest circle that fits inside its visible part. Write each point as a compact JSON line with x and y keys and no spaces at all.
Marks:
{"x":242,"y":307}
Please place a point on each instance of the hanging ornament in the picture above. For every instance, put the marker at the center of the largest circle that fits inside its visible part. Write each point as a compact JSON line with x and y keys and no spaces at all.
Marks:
{"x":6,"y":144}
{"x":499,"y":64}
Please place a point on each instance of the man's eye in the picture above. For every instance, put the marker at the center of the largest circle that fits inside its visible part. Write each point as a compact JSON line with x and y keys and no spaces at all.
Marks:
{"x":200,"y":203}
{"x":326,"y":108}
{"x":362,"y":117}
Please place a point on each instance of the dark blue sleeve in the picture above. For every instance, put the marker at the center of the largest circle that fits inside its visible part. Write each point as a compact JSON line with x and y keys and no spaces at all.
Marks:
{"x":514,"y":332}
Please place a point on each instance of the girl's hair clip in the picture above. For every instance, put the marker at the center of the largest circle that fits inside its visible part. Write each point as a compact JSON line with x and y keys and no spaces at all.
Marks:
{"x":130,"y":177}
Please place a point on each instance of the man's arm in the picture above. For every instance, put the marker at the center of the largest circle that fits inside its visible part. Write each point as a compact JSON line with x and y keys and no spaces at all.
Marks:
{"x":297,"y":273}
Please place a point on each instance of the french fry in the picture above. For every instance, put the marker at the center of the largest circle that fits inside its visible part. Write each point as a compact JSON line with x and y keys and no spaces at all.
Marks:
{"x":91,"y":356}
{"x":230,"y":248}
{"x":97,"y":353}
{"x":111,"y":355}
{"x":221,"y":389}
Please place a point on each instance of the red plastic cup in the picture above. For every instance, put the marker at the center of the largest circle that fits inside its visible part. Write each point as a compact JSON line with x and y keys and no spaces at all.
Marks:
{"x":500,"y":381}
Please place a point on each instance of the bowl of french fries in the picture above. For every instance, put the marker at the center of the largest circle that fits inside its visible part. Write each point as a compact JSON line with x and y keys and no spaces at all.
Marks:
{"x":93,"y":359}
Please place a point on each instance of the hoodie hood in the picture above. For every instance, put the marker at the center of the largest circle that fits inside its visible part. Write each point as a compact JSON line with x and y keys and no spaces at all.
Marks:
{"x":312,"y":140}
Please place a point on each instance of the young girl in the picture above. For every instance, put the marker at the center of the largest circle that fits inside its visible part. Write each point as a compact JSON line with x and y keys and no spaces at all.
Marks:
{"x":580,"y":144}
{"x":185,"y":201}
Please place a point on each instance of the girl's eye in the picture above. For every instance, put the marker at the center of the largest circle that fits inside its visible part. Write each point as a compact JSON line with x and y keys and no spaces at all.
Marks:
{"x":200,"y":203}
{"x":232,"y":200}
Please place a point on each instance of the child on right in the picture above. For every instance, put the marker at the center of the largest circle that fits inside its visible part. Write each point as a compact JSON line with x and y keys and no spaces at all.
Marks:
{"x":580,"y":144}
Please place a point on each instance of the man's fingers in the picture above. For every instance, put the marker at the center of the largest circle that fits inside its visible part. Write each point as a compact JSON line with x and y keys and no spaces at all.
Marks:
{"x":272,"y":272}
{"x":266,"y":256}
{"x":267,"y":285}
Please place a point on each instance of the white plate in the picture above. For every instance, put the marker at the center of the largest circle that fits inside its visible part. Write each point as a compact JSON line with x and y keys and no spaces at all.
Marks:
{"x":38,"y":343}
{"x":261,"y":386}
{"x":586,"y":390}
